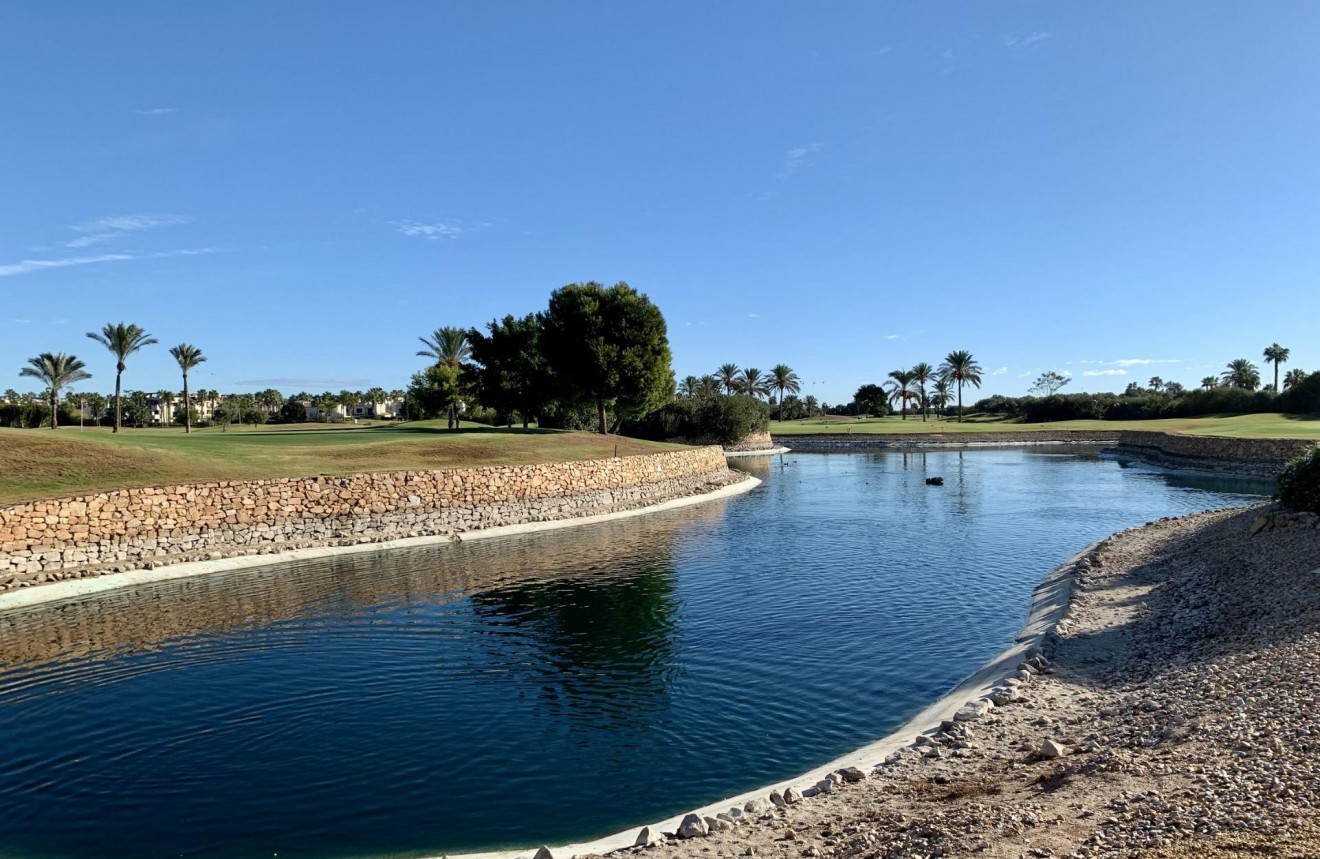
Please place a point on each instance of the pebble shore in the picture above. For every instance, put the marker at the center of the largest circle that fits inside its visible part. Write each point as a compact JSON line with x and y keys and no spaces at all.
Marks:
{"x":1173,"y":712}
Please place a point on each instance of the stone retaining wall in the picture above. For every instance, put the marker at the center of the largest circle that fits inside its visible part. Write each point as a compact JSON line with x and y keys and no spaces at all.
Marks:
{"x":132,"y":528}
{"x":863,"y":441}
{"x":752,"y":441}
{"x":1262,"y":456}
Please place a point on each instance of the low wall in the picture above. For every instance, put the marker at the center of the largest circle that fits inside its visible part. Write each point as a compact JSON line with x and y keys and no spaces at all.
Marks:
{"x":132,"y":528}
{"x":863,"y":441}
{"x":1261,"y":456}
{"x":752,"y":441}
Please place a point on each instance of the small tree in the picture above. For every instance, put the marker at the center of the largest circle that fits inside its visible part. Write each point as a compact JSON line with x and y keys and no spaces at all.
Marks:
{"x":1049,"y":383}
{"x":122,"y":340}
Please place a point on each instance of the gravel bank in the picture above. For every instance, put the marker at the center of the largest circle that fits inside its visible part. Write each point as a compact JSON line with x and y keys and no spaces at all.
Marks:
{"x":1177,"y":714}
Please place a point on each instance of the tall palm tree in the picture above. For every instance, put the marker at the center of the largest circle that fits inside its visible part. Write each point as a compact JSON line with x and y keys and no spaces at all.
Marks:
{"x":940,"y":396}
{"x":1276,"y":355}
{"x":448,"y":345}
{"x":1241,"y":373}
{"x":55,"y":370}
{"x":750,"y":381}
{"x":922,"y":374}
{"x":901,"y":390}
{"x":961,"y":368}
{"x":727,"y":375}
{"x":688,"y":387}
{"x":122,"y":340}
{"x":1209,"y":382}
{"x":1294,"y":377}
{"x":188,"y":356}
{"x":166,"y":407}
{"x":784,"y":380}
{"x":708,"y":386}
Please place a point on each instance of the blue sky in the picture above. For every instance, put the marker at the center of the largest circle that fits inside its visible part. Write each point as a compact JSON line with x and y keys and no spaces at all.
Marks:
{"x":301,"y":189}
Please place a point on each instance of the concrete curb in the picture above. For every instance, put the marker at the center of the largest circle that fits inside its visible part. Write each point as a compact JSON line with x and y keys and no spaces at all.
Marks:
{"x":71,"y":588}
{"x":770,"y":451}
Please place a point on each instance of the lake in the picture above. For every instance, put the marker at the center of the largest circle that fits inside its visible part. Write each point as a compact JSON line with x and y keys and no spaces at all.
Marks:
{"x":546,"y":688}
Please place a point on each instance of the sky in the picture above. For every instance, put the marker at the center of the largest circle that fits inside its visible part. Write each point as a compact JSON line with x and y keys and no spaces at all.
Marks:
{"x":302,"y":189}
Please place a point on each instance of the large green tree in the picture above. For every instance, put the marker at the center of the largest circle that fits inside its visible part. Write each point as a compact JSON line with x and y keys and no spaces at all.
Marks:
{"x":608,"y":347}
{"x":1276,"y":355}
{"x":122,"y":340}
{"x":511,"y":374}
{"x":961,"y":368}
{"x":188,"y":356}
{"x":1241,"y":373}
{"x":56,"y":370}
{"x":871,"y":399}
{"x":753,"y":383}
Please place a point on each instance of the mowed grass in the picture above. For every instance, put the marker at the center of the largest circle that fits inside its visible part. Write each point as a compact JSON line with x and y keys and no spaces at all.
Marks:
{"x":43,"y":464}
{"x":1239,"y":426}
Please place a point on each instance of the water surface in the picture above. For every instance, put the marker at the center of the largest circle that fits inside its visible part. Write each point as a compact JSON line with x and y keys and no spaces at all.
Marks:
{"x":544,"y":688}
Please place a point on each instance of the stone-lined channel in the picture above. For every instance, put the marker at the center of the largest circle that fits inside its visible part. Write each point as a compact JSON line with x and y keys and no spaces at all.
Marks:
{"x":545,"y":688}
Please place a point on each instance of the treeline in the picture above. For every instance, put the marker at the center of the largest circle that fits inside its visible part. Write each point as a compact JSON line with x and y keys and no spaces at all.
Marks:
{"x":1302,"y":396}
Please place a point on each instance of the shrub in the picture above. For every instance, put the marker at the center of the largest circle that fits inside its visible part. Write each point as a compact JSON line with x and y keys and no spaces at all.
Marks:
{"x":1302,"y":398}
{"x":722,"y":419}
{"x":1299,"y":483}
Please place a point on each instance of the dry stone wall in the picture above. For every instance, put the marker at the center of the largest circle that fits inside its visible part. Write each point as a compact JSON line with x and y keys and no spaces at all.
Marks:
{"x":132,"y":528}
{"x":1262,"y":456}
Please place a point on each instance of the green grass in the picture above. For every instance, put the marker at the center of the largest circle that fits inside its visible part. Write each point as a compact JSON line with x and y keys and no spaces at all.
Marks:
{"x":1239,"y":426}
{"x":43,"y":464}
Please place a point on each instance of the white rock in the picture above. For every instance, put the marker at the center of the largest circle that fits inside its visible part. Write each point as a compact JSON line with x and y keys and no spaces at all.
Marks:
{"x":791,"y":795}
{"x":777,"y":799}
{"x":717,"y":824}
{"x":756,"y":806}
{"x":1050,"y":750}
{"x":691,"y":827}
{"x":646,"y":838}
{"x":825,"y":786}
{"x":973,"y":710}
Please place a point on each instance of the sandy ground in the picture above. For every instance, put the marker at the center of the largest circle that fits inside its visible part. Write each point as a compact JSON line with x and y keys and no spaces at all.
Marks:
{"x":1182,"y":689}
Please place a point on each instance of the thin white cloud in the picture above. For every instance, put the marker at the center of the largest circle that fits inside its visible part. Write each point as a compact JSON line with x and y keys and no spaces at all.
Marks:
{"x":1001,"y":371}
{"x":752,"y":315}
{"x":30,"y":265}
{"x":891,"y":336}
{"x":90,"y":239}
{"x":434,"y":232}
{"x":130,"y":223}
{"x":1115,"y":372}
{"x":1133,"y":362}
{"x":1026,"y":375}
{"x":1031,"y":40}
{"x":795,"y":158}
{"x":155,"y":111}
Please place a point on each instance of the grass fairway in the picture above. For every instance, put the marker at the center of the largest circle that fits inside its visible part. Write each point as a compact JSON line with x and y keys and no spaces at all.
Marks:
{"x":1240,"y":426}
{"x":43,"y":464}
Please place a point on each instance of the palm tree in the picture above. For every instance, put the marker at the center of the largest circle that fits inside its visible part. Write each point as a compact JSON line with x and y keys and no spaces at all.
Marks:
{"x":901,"y":388}
{"x":727,"y":375}
{"x":55,"y":370}
{"x":940,"y":396}
{"x":783,"y":379}
{"x":123,"y":340}
{"x":188,"y":356}
{"x":752,"y":382}
{"x":447,"y":345}
{"x":961,"y":368}
{"x":1156,"y":384}
{"x":1276,"y":354}
{"x":688,"y":387}
{"x":921,"y":374}
{"x":166,"y":406}
{"x":1209,"y":382}
{"x":708,"y":386}
{"x":1294,"y":377}
{"x":1241,"y":373}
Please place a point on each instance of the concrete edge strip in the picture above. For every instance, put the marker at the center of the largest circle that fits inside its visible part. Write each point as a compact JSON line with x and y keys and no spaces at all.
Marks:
{"x":770,"y":451}
{"x":1049,"y":602}
{"x":70,"y":588}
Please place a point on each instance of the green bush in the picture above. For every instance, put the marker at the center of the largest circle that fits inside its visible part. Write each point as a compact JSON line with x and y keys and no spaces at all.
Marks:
{"x":1302,"y":398}
{"x":1299,"y":483}
{"x":723,"y":419}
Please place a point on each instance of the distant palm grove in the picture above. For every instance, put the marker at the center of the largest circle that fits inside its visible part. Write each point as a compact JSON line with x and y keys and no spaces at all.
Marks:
{"x":598,"y":358}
